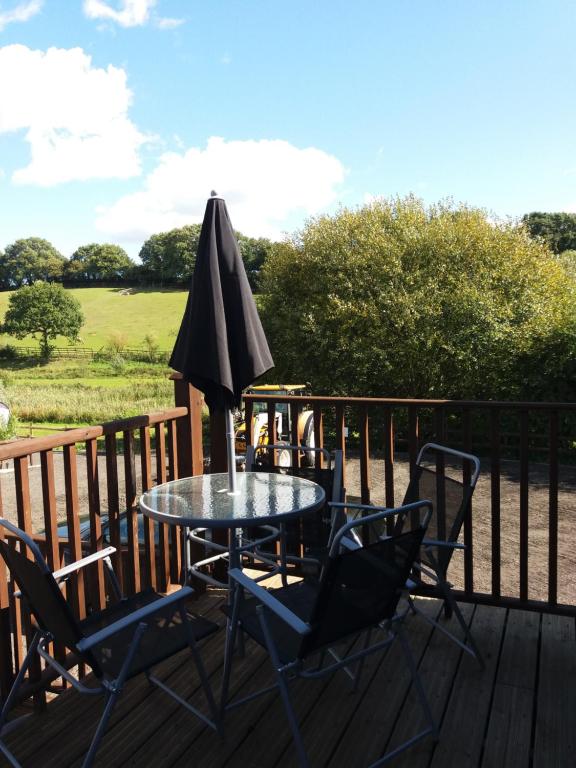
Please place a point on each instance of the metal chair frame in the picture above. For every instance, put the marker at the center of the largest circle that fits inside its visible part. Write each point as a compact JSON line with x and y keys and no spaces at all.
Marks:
{"x":335,"y":464}
{"x":268,"y":603}
{"x":111,"y":688}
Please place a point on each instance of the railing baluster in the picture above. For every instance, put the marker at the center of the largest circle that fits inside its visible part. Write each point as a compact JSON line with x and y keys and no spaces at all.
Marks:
{"x":364,"y":456}
{"x":131,"y":516}
{"x":469,"y":519}
{"x":413,"y":437}
{"x":495,"y":500}
{"x":22,"y":615}
{"x":175,"y":531}
{"x":524,"y":504}
{"x":318,"y":435}
{"x":341,"y":439}
{"x":6,"y":659}
{"x":553,"y":510}
{"x":73,"y":523}
{"x":148,"y":524}
{"x":162,"y":528}
{"x":172,"y":450}
{"x":114,"y":506}
{"x":249,"y":422}
{"x":93,"y":486}
{"x":389,"y":458}
{"x":295,"y":410}
{"x":52,"y":552}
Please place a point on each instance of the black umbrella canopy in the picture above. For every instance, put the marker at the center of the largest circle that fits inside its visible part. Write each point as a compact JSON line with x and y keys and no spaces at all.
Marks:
{"x":221,"y":348}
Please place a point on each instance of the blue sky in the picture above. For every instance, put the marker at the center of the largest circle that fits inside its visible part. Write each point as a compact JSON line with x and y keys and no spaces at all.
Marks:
{"x":117,"y":117}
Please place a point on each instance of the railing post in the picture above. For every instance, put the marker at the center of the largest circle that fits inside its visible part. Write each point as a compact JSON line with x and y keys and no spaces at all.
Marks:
{"x":188,"y":428}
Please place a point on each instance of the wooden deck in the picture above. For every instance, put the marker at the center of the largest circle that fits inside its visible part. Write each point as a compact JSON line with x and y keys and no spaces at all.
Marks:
{"x":519,"y":711}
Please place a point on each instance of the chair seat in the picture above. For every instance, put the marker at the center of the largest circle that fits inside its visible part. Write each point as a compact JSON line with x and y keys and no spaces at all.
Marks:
{"x":166,"y":634}
{"x":300,"y":598}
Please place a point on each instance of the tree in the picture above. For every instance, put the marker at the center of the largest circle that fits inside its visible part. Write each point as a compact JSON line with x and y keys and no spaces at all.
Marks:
{"x":45,"y":310}
{"x":28,"y":260}
{"x":558,"y":230}
{"x":396,"y":299}
{"x":254,"y":252}
{"x":98,"y":261}
{"x":170,"y":256}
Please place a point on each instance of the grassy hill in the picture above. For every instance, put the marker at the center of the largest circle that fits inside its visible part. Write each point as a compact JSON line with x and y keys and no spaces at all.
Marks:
{"x":132,"y":313}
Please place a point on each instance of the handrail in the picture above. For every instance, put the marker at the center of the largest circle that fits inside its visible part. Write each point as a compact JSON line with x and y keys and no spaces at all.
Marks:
{"x":422,"y":402}
{"x":27,"y":445}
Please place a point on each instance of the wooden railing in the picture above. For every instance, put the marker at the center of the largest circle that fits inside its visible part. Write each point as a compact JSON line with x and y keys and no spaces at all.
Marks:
{"x":520,"y":533}
{"x":121,"y":459}
{"x":519,"y":550}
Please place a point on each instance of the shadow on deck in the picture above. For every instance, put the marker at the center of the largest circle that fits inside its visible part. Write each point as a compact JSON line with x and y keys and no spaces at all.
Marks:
{"x":519,"y":711}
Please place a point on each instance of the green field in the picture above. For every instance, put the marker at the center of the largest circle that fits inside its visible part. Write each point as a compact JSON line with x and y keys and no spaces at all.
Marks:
{"x":79,"y":392}
{"x":131,"y":313}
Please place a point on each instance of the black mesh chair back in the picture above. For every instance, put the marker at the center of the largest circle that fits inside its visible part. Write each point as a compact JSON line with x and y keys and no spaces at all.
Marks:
{"x":310,"y":533}
{"x":361,"y":588}
{"x":447,"y":478}
{"x":41,"y":592}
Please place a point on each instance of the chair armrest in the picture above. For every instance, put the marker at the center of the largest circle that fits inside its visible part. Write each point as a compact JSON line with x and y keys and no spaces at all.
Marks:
{"x":76,"y":566}
{"x":134,"y":618}
{"x":270,"y":602}
{"x":444,"y":544}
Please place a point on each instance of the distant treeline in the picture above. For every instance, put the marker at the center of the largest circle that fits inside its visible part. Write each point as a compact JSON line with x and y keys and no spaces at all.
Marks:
{"x":167,"y":259}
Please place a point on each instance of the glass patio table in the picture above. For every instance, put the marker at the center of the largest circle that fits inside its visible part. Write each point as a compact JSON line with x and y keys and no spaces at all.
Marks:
{"x":204,"y":502}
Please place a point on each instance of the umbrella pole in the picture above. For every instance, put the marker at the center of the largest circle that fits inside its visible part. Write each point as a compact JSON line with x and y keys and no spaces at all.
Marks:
{"x":230,"y":447}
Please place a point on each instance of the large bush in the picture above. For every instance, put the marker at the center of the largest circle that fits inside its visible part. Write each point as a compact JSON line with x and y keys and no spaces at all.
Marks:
{"x":397,"y":299}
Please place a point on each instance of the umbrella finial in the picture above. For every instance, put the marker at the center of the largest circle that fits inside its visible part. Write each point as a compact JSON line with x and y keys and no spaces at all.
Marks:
{"x":213,"y":193}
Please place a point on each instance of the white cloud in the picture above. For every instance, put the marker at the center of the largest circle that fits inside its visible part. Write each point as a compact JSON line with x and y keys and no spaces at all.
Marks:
{"x":132,"y":13}
{"x":167,"y":23}
{"x":129,"y":13}
{"x":74,"y":114}
{"x":21,"y":12}
{"x":263,"y":182}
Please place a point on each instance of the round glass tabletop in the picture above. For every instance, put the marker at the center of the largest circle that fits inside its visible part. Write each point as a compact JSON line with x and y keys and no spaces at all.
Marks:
{"x":260,"y":498}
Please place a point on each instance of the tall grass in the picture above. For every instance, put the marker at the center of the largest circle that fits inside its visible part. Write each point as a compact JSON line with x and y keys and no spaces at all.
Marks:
{"x":78,"y":403}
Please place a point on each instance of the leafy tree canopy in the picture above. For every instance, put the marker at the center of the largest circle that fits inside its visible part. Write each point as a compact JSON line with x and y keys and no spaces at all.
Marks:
{"x":28,"y":260}
{"x":254,"y":252}
{"x":170,"y":256}
{"x":98,"y":261}
{"x":397,"y":299}
{"x":558,"y":230}
{"x":44,"y":310}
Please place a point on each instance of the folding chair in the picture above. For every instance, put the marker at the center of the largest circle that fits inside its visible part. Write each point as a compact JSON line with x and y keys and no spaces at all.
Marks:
{"x":358,"y":591}
{"x":119,"y":642}
{"x":306,"y":540}
{"x":448,"y":478}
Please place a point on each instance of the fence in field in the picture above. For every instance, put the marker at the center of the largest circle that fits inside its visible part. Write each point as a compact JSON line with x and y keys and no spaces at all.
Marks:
{"x":85,"y":353}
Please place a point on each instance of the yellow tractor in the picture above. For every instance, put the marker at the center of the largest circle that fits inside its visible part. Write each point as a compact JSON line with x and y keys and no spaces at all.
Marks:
{"x":283,"y":425}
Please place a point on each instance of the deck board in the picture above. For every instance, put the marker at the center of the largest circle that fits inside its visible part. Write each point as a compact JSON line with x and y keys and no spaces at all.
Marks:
{"x":555,"y":737}
{"x":508,"y":740}
{"x":520,"y":711}
{"x":463,"y":726}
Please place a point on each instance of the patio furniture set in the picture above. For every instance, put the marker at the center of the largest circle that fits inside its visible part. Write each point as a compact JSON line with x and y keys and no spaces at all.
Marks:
{"x":348,"y":573}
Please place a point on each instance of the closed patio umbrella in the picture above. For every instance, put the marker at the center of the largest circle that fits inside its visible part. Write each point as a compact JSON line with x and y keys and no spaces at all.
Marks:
{"x":221,"y":348}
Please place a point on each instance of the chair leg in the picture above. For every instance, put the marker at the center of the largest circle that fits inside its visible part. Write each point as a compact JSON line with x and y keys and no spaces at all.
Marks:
{"x":360,"y":669}
{"x":469,"y":644}
{"x":19,"y":678}
{"x":114,"y":690}
{"x":417,"y":682}
{"x":284,"y":693}
{"x":201,"y":671}
{"x":95,"y":743}
{"x":12,"y":696}
{"x":231,"y":630}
